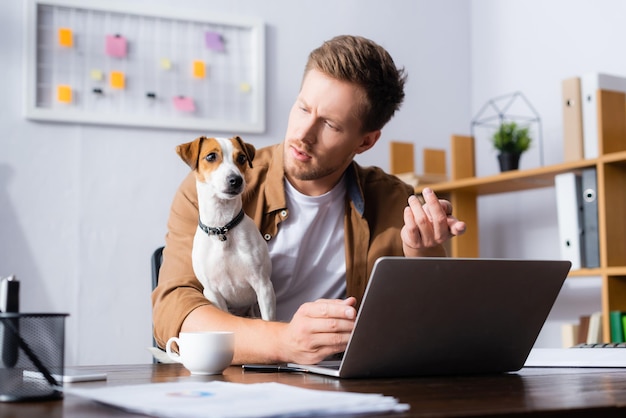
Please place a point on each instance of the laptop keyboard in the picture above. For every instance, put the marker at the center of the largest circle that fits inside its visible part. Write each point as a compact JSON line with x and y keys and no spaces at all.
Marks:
{"x":581,"y":355}
{"x":601,"y":345}
{"x":330,"y":364}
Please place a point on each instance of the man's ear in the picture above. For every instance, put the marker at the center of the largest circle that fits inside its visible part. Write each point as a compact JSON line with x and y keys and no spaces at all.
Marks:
{"x":190,"y":151}
{"x":368,"y":140}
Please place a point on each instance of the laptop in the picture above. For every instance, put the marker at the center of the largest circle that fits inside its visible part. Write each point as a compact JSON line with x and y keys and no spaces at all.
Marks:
{"x":448,"y":316}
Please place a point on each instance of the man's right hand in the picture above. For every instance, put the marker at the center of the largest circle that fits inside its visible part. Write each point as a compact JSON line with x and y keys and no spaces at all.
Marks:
{"x":317,"y":330}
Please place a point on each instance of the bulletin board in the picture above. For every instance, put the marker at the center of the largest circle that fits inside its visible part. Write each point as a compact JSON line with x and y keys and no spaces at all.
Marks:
{"x":108,"y":62}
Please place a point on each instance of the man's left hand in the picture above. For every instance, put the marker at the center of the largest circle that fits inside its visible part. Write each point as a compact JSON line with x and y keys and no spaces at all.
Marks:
{"x":427,"y":226}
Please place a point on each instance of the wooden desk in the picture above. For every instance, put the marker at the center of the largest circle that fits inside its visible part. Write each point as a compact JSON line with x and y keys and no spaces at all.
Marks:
{"x":540,"y":392}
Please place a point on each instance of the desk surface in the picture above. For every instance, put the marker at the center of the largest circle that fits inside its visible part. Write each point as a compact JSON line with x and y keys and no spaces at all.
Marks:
{"x":545,"y":392}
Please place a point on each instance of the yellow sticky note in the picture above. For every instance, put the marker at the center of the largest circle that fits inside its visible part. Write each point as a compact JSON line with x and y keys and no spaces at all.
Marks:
{"x":117,"y":79}
{"x":96,"y":75}
{"x":166,"y":64}
{"x":66,"y":38}
{"x":245,"y":87}
{"x":64,"y":94}
{"x":199,"y":69}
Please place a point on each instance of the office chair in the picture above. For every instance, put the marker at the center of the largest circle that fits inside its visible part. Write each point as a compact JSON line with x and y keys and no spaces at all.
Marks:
{"x":156,"y":260}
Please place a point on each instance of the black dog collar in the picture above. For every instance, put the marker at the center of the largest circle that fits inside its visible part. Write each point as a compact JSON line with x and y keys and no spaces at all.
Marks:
{"x":221,"y":231}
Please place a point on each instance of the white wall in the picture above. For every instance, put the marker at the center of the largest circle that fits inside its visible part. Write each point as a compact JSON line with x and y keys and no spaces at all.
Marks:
{"x":82,"y":207}
{"x":531,"y":46}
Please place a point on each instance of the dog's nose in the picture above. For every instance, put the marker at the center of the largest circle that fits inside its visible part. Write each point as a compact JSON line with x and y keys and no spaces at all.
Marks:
{"x":234,"y":181}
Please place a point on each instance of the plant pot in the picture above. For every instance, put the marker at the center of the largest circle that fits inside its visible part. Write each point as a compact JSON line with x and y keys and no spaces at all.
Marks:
{"x":509,"y":161}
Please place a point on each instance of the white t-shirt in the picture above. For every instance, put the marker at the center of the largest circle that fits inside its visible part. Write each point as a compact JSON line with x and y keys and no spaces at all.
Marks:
{"x":308,"y":254}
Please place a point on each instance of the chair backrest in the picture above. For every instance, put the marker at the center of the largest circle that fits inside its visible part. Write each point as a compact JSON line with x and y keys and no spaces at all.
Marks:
{"x":157,"y":259}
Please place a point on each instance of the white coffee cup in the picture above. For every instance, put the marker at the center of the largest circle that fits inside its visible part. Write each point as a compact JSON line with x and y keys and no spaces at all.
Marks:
{"x":203,"y":352}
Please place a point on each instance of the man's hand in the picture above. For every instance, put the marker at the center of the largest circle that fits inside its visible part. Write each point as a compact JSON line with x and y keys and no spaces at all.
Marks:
{"x":317,"y":330}
{"x":428,"y":226}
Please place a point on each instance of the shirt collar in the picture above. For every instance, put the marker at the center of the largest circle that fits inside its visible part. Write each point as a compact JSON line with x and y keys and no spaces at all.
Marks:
{"x":353,"y":187}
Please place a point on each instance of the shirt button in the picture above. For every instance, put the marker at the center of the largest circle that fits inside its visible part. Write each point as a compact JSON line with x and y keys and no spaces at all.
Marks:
{"x":283,"y":213}
{"x":267,"y":237}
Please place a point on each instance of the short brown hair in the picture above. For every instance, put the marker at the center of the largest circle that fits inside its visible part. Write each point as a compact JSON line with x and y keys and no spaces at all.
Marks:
{"x":363,"y":62}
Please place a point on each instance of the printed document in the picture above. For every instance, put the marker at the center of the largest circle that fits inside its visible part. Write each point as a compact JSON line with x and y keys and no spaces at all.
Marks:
{"x":236,"y":400}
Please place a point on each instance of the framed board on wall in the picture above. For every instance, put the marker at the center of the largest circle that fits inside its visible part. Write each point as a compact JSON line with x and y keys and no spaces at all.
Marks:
{"x":108,"y":62}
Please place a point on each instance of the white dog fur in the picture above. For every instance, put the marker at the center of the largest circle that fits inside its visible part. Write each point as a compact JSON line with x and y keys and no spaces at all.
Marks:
{"x":233,"y":265}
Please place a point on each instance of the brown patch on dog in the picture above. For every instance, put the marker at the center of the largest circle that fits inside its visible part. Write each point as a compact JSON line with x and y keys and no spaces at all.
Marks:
{"x":248,"y":149}
{"x":210,"y":147}
{"x":195,"y":154}
{"x":189,"y":152}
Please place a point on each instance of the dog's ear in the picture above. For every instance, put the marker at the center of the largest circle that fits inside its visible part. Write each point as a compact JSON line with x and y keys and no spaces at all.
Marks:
{"x":248,"y":149}
{"x":190,"y":151}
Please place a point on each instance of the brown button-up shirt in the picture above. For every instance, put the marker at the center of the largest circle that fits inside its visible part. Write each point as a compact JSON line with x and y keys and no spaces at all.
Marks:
{"x":375,"y":202}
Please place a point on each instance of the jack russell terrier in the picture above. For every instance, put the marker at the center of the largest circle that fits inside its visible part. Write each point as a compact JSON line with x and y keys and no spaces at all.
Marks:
{"x":229,"y":256}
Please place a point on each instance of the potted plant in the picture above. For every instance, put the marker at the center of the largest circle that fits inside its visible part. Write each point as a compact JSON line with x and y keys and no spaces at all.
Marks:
{"x":511,"y":140}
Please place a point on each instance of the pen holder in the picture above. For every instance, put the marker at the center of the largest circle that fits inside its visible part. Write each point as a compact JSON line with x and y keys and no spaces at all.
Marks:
{"x":32,"y":353}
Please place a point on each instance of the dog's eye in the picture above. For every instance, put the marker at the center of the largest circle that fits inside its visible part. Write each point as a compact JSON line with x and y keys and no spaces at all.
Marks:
{"x":242,"y":159}
{"x":211,"y":157}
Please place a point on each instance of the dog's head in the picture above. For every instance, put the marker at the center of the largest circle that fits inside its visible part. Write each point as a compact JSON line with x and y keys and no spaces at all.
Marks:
{"x":219,"y":163}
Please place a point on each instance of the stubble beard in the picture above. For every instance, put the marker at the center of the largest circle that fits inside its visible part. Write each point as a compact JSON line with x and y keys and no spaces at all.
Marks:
{"x":306,"y":171}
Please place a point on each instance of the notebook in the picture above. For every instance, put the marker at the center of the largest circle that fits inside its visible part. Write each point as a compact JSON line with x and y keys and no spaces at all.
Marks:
{"x":448,"y":316}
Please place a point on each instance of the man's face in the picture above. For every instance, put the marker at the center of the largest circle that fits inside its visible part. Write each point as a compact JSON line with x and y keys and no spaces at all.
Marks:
{"x":324,"y":133}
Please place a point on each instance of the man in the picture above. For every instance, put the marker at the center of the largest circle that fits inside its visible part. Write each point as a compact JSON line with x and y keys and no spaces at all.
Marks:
{"x":325,"y":218}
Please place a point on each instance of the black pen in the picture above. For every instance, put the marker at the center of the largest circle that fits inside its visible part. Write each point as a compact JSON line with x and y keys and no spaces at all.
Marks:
{"x":271,"y":368}
{"x":10,"y":303}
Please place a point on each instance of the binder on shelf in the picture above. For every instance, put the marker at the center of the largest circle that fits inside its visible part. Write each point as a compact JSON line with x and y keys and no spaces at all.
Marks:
{"x":569,"y":335}
{"x":462,"y":155}
{"x":595,"y":328}
{"x":572,"y":119}
{"x":583,"y":329}
{"x":590,"y":84}
{"x":589,"y":187}
{"x":570,"y":217}
{"x":617,"y":326}
{"x":401,"y":157}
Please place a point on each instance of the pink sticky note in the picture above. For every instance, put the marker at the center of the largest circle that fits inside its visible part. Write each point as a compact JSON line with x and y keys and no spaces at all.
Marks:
{"x":184,"y":104}
{"x":214,"y":41}
{"x":115,"y":46}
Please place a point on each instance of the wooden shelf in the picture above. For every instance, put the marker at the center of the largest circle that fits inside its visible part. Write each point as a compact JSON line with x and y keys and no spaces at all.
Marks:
{"x":615,"y":271}
{"x":517,"y":180}
{"x":585,"y":273}
{"x":602,"y":271}
{"x":614,"y":157}
{"x":464,"y":189}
